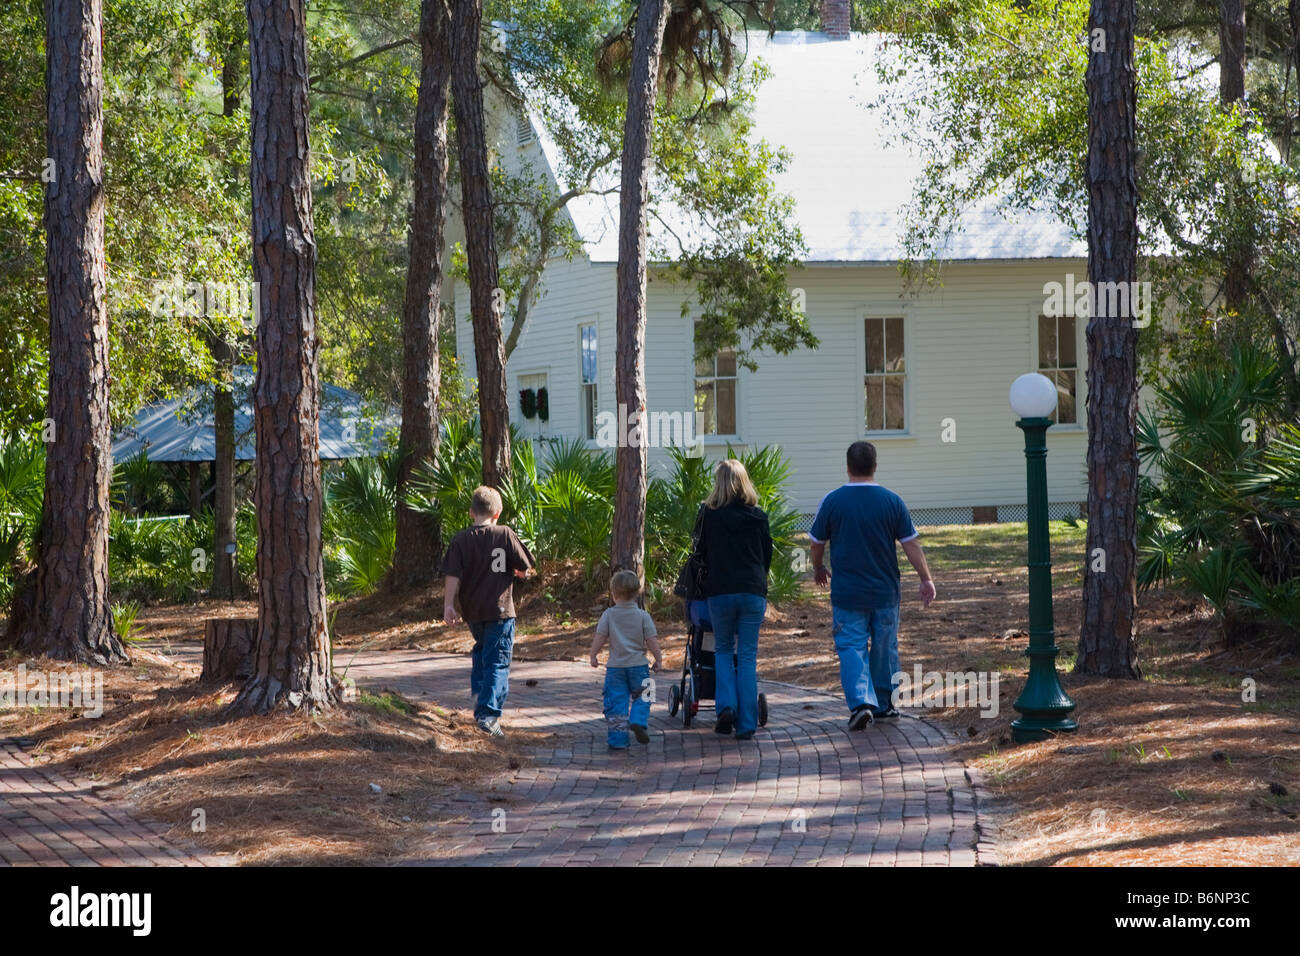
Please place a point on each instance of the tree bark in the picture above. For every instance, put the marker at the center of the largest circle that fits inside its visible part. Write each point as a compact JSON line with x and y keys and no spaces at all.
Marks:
{"x":1232,"y":51}
{"x":627,"y":545}
{"x":292,"y":668}
{"x":1107,"y":643}
{"x":70,"y":616}
{"x":224,"y":579}
{"x":480,"y":241}
{"x":229,"y":648}
{"x":1232,"y":89}
{"x":418,"y":547}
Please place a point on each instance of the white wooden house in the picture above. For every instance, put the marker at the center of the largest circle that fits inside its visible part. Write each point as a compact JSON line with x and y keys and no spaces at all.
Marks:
{"x":922,"y":375}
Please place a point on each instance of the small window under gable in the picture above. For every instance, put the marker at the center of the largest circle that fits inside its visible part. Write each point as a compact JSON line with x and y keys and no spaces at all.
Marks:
{"x":523,"y":130}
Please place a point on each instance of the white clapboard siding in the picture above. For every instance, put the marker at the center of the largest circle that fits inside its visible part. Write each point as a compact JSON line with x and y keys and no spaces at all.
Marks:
{"x":965,"y":343}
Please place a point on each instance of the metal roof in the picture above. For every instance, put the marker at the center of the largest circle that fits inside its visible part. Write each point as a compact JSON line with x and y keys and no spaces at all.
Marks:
{"x":181,"y":429}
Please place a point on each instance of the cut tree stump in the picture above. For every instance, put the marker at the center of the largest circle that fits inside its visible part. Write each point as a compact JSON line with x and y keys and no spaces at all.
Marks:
{"x":228,"y":647}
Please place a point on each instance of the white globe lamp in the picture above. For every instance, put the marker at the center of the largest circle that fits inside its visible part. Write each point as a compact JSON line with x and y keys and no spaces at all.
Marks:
{"x":1033,"y":396}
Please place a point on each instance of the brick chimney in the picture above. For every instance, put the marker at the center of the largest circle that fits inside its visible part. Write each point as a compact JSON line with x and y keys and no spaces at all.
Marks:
{"x":835,"y":19}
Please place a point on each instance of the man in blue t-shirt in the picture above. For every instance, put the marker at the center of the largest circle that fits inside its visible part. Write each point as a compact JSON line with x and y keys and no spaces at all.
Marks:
{"x":861,"y":520}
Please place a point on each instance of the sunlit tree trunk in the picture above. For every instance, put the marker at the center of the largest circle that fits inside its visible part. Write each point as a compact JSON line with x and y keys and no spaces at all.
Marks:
{"x":292,"y":668}
{"x":70,"y":616}
{"x":224,"y":354}
{"x":1107,"y":644}
{"x":416,"y":557}
{"x":485,"y":301}
{"x":628,"y":539}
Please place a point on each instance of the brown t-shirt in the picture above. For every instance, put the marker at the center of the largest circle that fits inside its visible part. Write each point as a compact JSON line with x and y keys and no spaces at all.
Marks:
{"x":485,"y":557}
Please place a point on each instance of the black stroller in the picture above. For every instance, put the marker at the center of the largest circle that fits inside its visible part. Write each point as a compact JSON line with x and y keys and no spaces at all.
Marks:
{"x":698,"y":670}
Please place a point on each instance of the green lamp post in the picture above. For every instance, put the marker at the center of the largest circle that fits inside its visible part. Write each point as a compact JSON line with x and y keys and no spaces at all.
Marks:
{"x":1044,"y":705}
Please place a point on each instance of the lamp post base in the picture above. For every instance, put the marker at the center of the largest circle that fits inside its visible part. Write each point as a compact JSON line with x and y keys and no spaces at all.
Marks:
{"x":1027,"y":730}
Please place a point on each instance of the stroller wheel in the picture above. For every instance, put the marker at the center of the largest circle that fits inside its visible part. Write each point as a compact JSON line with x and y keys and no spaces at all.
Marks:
{"x":674,"y":700}
{"x":762,"y":710}
{"x":689,"y":704}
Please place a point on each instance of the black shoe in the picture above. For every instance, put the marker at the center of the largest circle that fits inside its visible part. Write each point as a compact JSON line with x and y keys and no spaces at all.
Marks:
{"x":726,"y":721}
{"x":889,"y":713}
{"x":748,"y":735}
{"x":861,"y":718}
{"x":639,"y":732}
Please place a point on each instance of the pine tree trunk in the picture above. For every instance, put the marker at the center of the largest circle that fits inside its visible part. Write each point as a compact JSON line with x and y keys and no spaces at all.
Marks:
{"x":70,"y":616}
{"x":627,"y":545}
{"x":418,"y":548}
{"x":292,"y":668}
{"x":224,"y":579}
{"x":223,"y":491}
{"x":1232,"y":89}
{"x":480,"y":242}
{"x":1107,"y":644}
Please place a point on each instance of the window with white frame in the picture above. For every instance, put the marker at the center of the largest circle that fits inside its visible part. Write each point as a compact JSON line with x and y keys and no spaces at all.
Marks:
{"x":587,"y":375}
{"x":1058,"y":359}
{"x":535,"y":397}
{"x":885,"y":381}
{"x":715,"y":392}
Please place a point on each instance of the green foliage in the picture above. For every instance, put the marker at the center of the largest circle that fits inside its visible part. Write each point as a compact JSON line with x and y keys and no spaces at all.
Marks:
{"x":125,"y":614}
{"x":170,"y":560}
{"x":22,"y":491}
{"x":360,"y":527}
{"x":1223,"y":516}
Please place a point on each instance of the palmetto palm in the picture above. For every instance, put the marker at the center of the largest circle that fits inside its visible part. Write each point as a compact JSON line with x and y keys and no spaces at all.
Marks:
{"x":1223,"y":516}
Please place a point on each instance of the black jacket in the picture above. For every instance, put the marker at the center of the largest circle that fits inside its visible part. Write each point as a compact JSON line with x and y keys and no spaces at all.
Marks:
{"x":736,"y":545}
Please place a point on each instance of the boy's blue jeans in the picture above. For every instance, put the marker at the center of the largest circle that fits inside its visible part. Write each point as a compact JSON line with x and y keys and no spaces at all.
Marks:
{"x":489,"y":675}
{"x":736,"y":620}
{"x":867,"y":676}
{"x":626,"y":688}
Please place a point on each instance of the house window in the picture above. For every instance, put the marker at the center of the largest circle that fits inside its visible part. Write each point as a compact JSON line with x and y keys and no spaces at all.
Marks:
{"x":885,"y":382}
{"x":535,"y":383}
{"x":1058,"y":359}
{"x":587,"y":401}
{"x":715,"y":393}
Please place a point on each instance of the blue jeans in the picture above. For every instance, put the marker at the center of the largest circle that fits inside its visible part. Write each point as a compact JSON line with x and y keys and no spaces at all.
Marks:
{"x":736,"y":620}
{"x":489,"y":675}
{"x":626,"y":688}
{"x":866,"y":676}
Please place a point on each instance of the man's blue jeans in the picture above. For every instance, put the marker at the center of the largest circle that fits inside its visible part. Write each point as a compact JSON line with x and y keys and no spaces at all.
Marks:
{"x":867,"y":676}
{"x":736,"y":620}
{"x":489,"y":675}
{"x":626,"y":688}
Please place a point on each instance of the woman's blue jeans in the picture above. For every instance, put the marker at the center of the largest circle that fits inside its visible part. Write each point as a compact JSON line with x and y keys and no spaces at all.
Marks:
{"x":736,"y":620}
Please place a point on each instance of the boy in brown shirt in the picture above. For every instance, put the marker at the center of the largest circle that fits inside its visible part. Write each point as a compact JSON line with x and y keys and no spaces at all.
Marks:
{"x":481,"y":564}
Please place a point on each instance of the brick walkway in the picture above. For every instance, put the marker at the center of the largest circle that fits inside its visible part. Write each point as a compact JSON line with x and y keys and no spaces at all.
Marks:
{"x":803,"y":791}
{"x":49,"y":820}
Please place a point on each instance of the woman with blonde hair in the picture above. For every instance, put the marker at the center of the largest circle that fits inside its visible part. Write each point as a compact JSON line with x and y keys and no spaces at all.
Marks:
{"x":735,"y":544}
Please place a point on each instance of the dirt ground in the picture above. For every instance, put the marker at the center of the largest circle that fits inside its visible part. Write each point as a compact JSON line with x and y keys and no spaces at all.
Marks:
{"x":1174,"y":769}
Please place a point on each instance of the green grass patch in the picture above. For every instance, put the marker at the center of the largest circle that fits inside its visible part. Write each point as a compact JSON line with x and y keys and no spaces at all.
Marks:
{"x":387,"y":702}
{"x":1000,"y":547}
